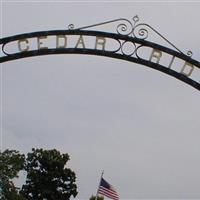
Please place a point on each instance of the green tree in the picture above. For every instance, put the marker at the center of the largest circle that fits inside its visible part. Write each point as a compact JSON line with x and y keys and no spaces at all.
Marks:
{"x":47,"y":176}
{"x":11,"y":162}
{"x":98,"y":198}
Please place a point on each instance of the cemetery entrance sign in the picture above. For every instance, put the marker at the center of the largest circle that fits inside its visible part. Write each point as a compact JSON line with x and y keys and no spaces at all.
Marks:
{"x":128,"y":42}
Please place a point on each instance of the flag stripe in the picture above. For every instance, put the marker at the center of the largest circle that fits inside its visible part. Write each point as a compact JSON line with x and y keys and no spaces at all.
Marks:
{"x":107,"y":193}
{"x":114,"y":194}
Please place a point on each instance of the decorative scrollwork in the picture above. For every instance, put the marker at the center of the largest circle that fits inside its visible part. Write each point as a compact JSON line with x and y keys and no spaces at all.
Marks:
{"x":142,"y":33}
{"x":134,"y":29}
{"x":121,"y":28}
{"x":124,"y":28}
{"x":71,"y":26}
{"x":189,"y":53}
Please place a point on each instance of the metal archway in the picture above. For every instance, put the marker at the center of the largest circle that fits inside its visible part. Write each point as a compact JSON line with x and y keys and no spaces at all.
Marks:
{"x":129,"y":44}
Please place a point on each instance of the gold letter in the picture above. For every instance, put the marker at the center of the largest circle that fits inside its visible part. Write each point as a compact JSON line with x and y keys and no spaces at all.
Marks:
{"x":156,"y":54}
{"x":100,"y":41}
{"x":189,"y":72}
{"x":26,"y":48}
{"x":40,"y":43}
{"x":58,"y":37}
{"x":80,"y":41}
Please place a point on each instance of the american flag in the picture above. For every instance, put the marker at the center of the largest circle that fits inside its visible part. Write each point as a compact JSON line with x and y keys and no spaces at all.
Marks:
{"x":107,"y":190}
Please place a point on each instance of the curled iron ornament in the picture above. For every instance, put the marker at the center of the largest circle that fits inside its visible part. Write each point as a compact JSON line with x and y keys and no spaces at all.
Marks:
{"x":190,"y":53}
{"x":122,"y":28}
{"x":71,"y":26}
{"x":143,"y":33}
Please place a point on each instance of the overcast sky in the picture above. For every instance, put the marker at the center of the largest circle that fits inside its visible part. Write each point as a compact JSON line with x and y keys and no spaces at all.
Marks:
{"x":138,"y":125}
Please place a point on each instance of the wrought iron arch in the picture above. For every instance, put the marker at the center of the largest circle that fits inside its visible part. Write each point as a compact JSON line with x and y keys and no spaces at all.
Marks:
{"x":133,"y":35}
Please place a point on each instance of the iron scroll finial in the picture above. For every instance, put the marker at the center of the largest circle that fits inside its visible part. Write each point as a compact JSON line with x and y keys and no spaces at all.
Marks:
{"x":189,"y":53}
{"x":71,"y":26}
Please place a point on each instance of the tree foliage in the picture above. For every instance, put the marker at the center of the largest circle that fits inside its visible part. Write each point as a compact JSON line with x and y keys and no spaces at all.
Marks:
{"x":11,"y":162}
{"x":98,"y":198}
{"x":47,"y":176}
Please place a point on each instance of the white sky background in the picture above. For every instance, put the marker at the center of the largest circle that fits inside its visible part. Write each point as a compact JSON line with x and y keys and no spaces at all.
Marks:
{"x":139,"y":125}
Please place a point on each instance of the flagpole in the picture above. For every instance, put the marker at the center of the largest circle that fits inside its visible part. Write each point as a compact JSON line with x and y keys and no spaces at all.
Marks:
{"x":99,"y":184}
